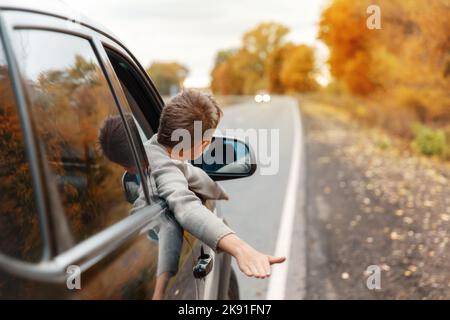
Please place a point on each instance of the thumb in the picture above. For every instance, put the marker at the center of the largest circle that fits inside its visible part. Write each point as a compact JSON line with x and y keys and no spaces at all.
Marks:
{"x":273,"y":260}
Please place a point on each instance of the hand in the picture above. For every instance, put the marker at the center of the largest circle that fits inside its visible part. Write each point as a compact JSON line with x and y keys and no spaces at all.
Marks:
{"x":256,"y":264}
{"x":250,"y":261}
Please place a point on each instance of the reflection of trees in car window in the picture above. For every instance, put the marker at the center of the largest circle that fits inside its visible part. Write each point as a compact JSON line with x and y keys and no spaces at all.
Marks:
{"x":70,"y":99}
{"x":19,"y":224}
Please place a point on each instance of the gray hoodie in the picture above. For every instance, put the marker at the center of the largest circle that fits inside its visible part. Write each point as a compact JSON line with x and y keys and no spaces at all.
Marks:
{"x":181,"y":184}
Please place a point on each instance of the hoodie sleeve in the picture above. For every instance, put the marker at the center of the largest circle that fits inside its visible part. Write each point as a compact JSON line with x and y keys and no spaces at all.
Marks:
{"x":170,"y":244}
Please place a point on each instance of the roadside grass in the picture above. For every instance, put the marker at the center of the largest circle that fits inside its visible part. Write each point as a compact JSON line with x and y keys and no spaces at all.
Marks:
{"x":387,"y":131}
{"x":430,"y":142}
{"x":329,"y":112}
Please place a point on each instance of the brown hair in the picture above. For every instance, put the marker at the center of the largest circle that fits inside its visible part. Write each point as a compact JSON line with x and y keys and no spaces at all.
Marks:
{"x":114,"y":142}
{"x":183,"y":110}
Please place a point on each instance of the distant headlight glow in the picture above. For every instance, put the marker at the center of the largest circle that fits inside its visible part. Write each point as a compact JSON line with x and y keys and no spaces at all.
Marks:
{"x":259,"y":98}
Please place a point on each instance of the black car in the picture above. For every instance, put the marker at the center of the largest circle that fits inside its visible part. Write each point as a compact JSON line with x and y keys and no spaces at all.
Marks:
{"x":65,"y":226}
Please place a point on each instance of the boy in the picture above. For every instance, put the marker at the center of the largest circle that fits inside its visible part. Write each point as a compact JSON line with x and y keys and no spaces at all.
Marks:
{"x":165,"y":230}
{"x":180,"y":184}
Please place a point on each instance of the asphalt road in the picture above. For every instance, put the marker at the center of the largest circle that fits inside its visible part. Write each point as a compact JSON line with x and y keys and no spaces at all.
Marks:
{"x":358,"y":204}
{"x":257,"y":202}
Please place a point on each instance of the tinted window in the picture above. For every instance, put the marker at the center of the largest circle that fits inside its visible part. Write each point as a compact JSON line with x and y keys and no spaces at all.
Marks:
{"x":140,"y":100}
{"x":70,"y":102}
{"x":19,"y":224}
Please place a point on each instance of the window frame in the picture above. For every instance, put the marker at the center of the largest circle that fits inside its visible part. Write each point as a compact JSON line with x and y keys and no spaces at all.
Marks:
{"x":115,"y":45}
{"x":154,"y":101}
{"x":29,"y":141}
{"x":53,"y":266}
{"x":146,"y":114}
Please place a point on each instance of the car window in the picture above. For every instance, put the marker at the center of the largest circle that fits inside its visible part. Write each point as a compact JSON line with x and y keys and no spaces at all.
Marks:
{"x":19,"y":225}
{"x":71,"y":105}
{"x":141,"y":102}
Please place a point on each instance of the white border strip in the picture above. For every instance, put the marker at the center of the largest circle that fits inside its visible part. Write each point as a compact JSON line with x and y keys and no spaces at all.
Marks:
{"x":278,"y":279}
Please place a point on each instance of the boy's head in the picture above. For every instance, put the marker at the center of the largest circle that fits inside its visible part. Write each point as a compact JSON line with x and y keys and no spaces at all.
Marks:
{"x":114,"y":143}
{"x":182,"y":112}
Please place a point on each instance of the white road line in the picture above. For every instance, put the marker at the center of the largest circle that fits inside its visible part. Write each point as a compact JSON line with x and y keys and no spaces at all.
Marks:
{"x":278,"y":279}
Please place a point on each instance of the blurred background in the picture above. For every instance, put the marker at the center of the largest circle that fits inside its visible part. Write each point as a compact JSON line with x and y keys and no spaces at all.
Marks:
{"x":375,"y":110}
{"x":398,"y":72}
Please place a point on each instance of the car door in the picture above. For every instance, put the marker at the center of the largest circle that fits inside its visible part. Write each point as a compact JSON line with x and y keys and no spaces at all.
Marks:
{"x":82,"y":241}
{"x":146,"y":105}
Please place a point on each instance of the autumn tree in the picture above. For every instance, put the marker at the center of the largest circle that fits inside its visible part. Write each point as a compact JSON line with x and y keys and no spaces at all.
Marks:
{"x":168,"y":76}
{"x":406,"y":62}
{"x":258,"y":44}
{"x":343,"y":29}
{"x":291,"y":68}
{"x":243,"y":71}
{"x":412,"y":57}
{"x":226,"y":78}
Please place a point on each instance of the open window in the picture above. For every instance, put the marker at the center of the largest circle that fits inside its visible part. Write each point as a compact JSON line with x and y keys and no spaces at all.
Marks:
{"x":143,"y":104}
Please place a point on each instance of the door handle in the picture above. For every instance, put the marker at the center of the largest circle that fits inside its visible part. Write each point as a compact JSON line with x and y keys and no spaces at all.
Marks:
{"x":204,"y":264}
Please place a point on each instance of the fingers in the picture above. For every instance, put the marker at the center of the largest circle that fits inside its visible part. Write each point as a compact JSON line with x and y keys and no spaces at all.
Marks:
{"x":261,"y":272}
{"x":260,"y":269}
{"x":267,"y":268}
{"x":274,"y":260}
{"x":255,"y":270}
{"x":246,"y":271}
{"x":263,"y":267}
{"x":258,"y":265}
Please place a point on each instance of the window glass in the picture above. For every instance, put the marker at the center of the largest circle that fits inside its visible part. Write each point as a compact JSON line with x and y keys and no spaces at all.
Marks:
{"x":140,"y":101}
{"x":78,"y":126}
{"x":19,"y":224}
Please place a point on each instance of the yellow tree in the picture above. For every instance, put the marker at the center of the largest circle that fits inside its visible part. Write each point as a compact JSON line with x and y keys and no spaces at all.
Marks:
{"x":405,"y":64}
{"x":291,"y":68}
{"x":258,"y":44}
{"x":299,"y":71}
{"x":412,"y":57}
{"x":274,"y":65}
{"x":242,"y":71}
{"x":343,"y":29}
{"x":226,"y":78}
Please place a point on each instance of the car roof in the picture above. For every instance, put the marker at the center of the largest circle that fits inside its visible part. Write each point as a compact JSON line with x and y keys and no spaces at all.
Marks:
{"x":57,"y":8}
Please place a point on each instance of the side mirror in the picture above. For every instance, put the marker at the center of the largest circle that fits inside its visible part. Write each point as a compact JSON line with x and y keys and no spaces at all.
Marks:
{"x":227,"y":158}
{"x":130,"y":185}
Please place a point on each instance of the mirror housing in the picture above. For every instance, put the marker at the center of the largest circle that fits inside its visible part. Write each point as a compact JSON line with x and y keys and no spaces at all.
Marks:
{"x":227,"y":158}
{"x":130,"y":185}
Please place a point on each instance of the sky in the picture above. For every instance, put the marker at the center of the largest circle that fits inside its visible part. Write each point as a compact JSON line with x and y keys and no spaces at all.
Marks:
{"x":192,"y":32}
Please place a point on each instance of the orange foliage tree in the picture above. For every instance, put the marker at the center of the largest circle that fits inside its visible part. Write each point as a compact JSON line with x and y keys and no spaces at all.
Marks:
{"x":243,"y":71}
{"x":343,"y":29}
{"x":291,"y":68}
{"x":406,"y":62}
{"x":264,"y":61}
